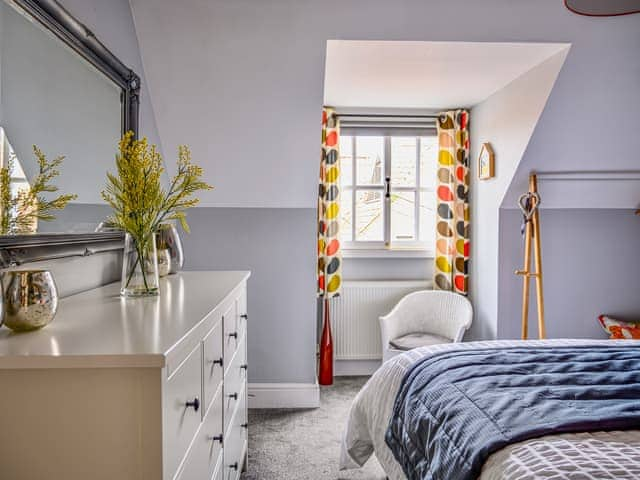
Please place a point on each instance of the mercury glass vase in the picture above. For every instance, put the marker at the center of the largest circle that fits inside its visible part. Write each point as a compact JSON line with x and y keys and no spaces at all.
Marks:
{"x":30,"y":299}
{"x":167,"y":237}
{"x":139,"y":267}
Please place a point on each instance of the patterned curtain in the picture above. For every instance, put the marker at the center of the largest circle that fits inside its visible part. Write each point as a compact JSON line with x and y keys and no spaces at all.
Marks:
{"x":329,"y":260}
{"x":452,"y":215}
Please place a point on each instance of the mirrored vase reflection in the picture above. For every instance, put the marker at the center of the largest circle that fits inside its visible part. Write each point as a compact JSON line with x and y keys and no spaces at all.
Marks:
{"x":139,"y":268}
{"x":30,"y":299}
{"x":168,"y":238}
{"x":164,"y":262}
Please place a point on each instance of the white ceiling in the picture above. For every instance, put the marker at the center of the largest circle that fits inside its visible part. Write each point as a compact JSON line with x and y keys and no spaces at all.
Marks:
{"x":428,"y":75}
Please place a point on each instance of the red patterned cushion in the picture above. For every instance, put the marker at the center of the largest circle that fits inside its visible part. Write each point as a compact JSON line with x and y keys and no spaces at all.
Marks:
{"x":619,"y":328}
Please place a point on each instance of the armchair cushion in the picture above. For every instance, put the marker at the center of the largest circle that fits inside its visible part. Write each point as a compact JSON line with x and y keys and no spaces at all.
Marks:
{"x":416,"y":340}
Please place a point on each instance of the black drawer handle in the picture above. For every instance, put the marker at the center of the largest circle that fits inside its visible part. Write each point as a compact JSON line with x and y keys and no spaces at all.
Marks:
{"x":234,"y":335}
{"x":220,"y":361}
{"x":234,"y":466}
{"x":195,"y":404}
{"x":245,"y":425}
{"x":234,"y":396}
{"x":244,"y":367}
{"x":217,"y":438}
{"x":245,"y":316}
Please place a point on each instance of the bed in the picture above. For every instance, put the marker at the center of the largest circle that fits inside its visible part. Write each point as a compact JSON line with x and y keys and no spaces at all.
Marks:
{"x":595,"y":454}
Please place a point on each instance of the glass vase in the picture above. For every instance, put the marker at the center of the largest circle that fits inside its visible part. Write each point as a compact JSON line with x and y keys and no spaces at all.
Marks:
{"x":169,"y":238}
{"x":139,"y":267}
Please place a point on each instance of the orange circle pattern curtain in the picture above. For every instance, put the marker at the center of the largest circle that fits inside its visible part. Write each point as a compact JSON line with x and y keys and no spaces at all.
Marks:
{"x":329,"y":258}
{"x":452,"y":214}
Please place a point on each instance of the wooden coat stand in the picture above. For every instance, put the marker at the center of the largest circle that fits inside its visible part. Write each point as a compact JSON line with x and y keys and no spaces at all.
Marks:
{"x":529,"y":203}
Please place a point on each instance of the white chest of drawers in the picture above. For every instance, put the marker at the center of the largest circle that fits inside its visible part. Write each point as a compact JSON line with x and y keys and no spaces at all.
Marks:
{"x":114,"y":388}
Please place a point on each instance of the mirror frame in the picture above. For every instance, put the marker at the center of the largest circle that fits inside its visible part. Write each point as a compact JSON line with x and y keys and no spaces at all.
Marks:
{"x":57,"y":20}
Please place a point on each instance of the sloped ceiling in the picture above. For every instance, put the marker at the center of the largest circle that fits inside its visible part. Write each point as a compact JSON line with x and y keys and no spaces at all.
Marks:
{"x":432,"y":75}
{"x":242,"y":82}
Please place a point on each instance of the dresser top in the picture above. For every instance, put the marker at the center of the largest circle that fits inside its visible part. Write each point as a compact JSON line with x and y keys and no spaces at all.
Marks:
{"x":98,"y":328}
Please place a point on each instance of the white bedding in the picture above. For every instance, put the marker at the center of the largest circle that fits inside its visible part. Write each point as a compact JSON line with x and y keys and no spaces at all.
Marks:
{"x":597,"y":455}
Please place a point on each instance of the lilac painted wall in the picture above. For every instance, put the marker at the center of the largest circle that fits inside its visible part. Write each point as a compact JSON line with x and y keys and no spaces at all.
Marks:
{"x":260,"y":69}
{"x":252,"y":112}
{"x":588,"y":123}
{"x":591,"y":260}
{"x":506,"y":119}
{"x":247,"y":91}
{"x":112,"y":23}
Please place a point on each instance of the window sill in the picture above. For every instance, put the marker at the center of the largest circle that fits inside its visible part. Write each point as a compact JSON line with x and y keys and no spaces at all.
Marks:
{"x":386,"y":253}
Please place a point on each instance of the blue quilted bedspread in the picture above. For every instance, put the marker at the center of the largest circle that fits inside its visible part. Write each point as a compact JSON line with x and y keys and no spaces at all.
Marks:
{"x":456,"y":408}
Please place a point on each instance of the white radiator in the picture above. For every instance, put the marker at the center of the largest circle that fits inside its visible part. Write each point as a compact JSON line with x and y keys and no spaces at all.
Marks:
{"x":355,"y":313}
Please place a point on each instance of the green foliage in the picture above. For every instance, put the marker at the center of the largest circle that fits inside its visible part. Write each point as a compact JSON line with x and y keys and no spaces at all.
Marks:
{"x":6,"y":202}
{"x":184,"y":185}
{"x":135,"y":193}
{"x":20,"y":212}
{"x":137,"y":198}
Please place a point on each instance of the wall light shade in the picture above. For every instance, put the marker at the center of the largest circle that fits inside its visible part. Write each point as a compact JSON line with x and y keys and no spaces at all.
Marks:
{"x":603,"y":8}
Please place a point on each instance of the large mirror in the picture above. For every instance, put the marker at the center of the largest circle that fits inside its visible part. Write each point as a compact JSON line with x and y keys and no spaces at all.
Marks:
{"x":64,"y":92}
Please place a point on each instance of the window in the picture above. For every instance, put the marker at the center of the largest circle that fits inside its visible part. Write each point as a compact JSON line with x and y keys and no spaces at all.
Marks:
{"x":387,"y":194}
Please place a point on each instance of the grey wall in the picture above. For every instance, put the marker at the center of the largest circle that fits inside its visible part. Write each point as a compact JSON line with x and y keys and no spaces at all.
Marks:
{"x":242,"y":82}
{"x":592,"y":103}
{"x":254,"y":104}
{"x":278,"y":246}
{"x":78,"y":274}
{"x":590,"y":264}
{"x":387,"y":268}
{"x":76,"y":218}
{"x":506,"y":120}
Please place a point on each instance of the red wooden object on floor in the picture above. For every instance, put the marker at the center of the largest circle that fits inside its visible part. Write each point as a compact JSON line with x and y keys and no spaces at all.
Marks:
{"x":325,"y":374}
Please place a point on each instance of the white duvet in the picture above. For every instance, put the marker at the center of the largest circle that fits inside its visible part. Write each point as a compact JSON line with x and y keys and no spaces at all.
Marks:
{"x":583,"y":456}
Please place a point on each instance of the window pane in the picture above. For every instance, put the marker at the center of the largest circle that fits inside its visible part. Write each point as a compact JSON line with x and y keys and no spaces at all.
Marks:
{"x":403,"y":161}
{"x":427,"y":217}
{"x":369,"y":216}
{"x":346,"y":215}
{"x":370,"y":160}
{"x":403,"y":216}
{"x":346,"y":160}
{"x":428,"y":161}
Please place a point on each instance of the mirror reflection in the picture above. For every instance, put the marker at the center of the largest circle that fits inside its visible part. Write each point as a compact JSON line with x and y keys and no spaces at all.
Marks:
{"x":13,"y":185}
{"x":52,"y":98}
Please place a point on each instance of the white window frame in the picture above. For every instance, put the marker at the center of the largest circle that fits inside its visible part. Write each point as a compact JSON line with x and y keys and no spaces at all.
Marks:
{"x":385,"y":248}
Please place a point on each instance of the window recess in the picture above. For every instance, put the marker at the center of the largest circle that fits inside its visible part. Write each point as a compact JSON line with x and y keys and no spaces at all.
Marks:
{"x":388,"y":172}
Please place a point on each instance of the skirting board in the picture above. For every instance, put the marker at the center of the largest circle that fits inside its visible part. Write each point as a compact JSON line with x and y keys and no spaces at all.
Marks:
{"x":349,"y":368}
{"x":284,"y":395}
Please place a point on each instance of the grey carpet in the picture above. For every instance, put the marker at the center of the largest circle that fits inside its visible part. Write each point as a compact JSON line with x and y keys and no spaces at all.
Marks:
{"x":305,"y":444}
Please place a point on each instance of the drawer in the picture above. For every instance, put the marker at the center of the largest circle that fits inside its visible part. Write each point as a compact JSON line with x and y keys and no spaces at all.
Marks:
{"x":235,"y":442}
{"x":231,"y":335}
{"x":205,"y":454}
{"x":212,"y":364}
{"x":234,"y":383}
{"x":180,"y":420}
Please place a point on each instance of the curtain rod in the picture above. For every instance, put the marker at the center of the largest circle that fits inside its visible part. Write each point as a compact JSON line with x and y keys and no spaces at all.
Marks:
{"x":619,"y":175}
{"x":380,"y":115}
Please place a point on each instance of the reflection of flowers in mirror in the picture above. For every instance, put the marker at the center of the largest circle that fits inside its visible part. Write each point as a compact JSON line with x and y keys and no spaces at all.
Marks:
{"x":23,"y":203}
